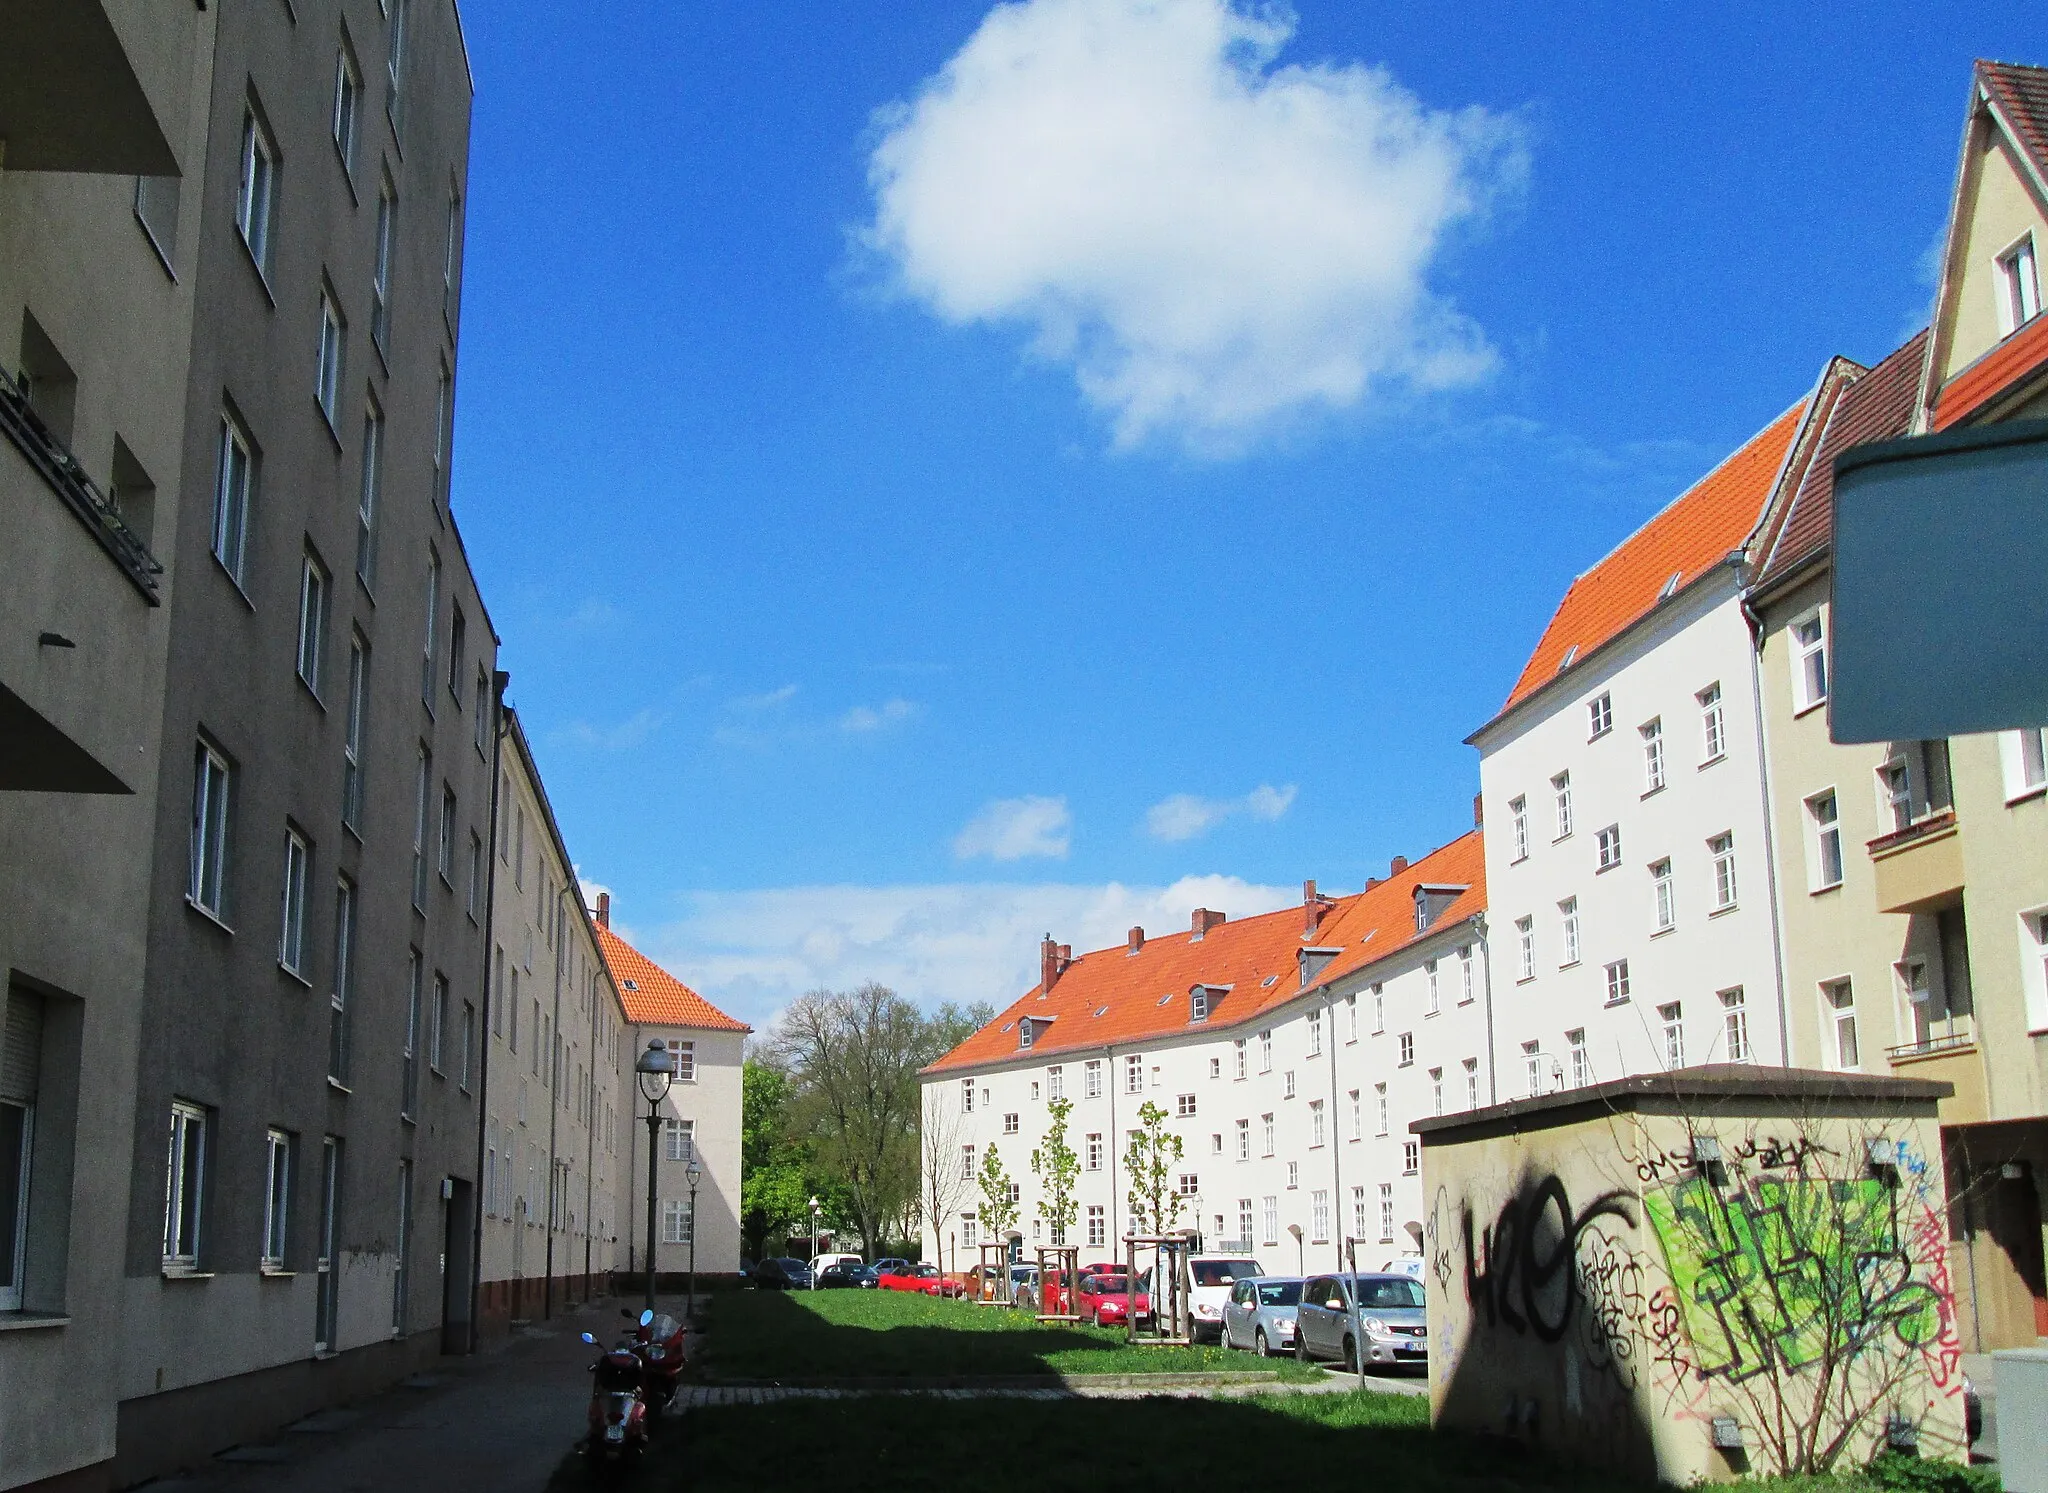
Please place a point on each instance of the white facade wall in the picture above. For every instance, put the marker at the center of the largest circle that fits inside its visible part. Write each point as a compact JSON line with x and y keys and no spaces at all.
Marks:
{"x":708,"y":1104}
{"x":1291,"y":1072}
{"x":1709,"y":951}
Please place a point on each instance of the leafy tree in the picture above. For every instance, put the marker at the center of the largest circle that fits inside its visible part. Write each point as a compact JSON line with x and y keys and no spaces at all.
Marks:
{"x":1149,"y":1162}
{"x":997,"y":1214}
{"x":1057,"y":1169}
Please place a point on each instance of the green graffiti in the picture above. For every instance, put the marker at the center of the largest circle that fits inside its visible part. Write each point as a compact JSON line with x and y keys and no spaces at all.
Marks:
{"x":1789,"y":1272}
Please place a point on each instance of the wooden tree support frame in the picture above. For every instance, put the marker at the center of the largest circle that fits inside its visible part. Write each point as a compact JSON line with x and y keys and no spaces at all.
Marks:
{"x":1068,"y":1258}
{"x":1000,"y":1294}
{"x":1172,"y":1305}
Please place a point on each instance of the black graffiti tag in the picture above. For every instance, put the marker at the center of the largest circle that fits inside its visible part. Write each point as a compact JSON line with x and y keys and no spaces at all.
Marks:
{"x":1524,"y":1272}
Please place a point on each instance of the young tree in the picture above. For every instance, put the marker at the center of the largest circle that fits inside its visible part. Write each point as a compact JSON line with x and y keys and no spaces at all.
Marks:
{"x":1057,"y":1169}
{"x":939,"y":1145}
{"x":1149,"y":1161}
{"x":996,"y":1213}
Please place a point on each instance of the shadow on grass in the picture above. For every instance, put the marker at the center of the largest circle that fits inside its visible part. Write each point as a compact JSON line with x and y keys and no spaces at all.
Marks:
{"x":839,"y":1335}
{"x":995,"y":1445}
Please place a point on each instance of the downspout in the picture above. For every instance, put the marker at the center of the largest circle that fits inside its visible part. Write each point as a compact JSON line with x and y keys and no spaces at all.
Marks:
{"x":588,"y":1099}
{"x":499,"y":680}
{"x":554,"y":914}
{"x":1330,"y":1132}
{"x":1756,"y":690}
{"x":1492,"y":1056}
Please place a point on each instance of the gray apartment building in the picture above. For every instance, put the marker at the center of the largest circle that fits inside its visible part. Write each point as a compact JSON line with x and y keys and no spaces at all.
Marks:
{"x":247,"y":724}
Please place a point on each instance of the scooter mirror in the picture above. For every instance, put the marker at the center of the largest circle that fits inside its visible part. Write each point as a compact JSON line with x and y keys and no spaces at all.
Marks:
{"x":647,"y":1316}
{"x":590,"y":1340}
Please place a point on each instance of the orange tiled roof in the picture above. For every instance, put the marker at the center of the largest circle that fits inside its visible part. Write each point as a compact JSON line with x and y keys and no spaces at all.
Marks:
{"x":1115,"y":996}
{"x":1876,"y":406}
{"x":2017,"y":358}
{"x":2021,"y":94}
{"x":654,"y":996}
{"x":1691,"y":536}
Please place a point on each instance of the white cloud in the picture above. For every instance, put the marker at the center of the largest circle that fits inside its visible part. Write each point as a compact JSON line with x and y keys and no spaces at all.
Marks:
{"x":627,"y":734}
{"x":864,"y":719}
{"x":752,"y":952}
{"x":596,"y":615}
{"x":1185,"y":815}
{"x":766,"y":701}
{"x":1212,"y":242}
{"x":1009,"y":829}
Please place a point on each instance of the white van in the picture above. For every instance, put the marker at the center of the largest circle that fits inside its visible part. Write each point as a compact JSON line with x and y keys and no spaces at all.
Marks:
{"x":819,"y":1262}
{"x":1210,"y":1280}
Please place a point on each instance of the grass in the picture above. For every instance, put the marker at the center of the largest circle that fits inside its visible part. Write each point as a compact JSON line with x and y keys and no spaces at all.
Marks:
{"x":895,"y":1335}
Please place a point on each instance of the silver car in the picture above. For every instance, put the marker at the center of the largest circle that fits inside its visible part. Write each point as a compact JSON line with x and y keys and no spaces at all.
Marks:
{"x":1389,"y":1313}
{"x":1260,"y":1314}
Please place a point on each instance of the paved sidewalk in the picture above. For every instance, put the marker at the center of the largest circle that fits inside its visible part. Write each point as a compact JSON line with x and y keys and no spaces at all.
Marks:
{"x":713,"y":1396}
{"x":502,"y":1420}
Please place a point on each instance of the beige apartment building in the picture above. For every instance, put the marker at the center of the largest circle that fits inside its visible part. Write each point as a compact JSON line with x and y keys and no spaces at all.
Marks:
{"x":551,"y":1164}
{"x":1914,"y":874}
{"x":697,"y":1163}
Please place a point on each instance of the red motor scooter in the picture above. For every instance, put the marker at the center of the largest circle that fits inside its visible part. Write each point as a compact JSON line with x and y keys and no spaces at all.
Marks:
{"x":618,"y":1415}
{"x":659,"y":1341}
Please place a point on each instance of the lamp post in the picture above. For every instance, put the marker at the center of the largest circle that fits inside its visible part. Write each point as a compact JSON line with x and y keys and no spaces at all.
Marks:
{"x":656,"y":1073}
{"x":814,"y":1244}
{"x":694,"y":1172}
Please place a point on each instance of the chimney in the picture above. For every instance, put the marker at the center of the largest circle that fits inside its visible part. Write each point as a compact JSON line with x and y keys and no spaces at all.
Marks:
{"x":604,"y":909}
{"x":1205,"y":920}
{"x":1048,"y":964}
{"x":1478,"y":811}
{"x":1400,"y":865}
{"x":1371,"y":882}
{"x":1313,"y":906}
{"x":1137,"y":940}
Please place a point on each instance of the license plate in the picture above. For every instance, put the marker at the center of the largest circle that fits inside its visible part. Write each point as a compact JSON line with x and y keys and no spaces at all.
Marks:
{"x":615,"y":1433}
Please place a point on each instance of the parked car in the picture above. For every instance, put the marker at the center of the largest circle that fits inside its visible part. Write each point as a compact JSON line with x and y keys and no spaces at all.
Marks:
{"x":926,"y":1279}
{"x":1211,"y":1281}
{"x":1389,"y":1313}
{"x":847,"y":1274}
{"x":1260,"y":1314}
{"x":784,"y":1274}
{"x":1024,"y":1286}
{"x":890,"y":1264}
{"x":1105,"y":1300}
{"x":819,"y":1262}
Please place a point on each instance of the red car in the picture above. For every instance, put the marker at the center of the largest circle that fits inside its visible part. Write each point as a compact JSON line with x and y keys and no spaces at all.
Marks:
{"x":925,"y":1279}
{"x":1105,"y":1300}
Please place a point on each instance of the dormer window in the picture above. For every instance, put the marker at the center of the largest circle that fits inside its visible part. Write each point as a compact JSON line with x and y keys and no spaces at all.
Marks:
{"x":1198,"y":1003}
{"x":2019,"y":286}
{"x":1312,"y":963}
{"x":1024,"y":1032}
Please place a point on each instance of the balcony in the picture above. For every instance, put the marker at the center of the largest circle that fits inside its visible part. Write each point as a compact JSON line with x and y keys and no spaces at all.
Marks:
{"x":1919,"y":868}
{"x":55,"y":464}
{"x":69,"y":96}
{"x":1947,"y":1051}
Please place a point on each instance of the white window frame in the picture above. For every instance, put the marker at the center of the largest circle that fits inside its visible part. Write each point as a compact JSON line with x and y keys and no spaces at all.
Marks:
{"x":1318,"y":1125}
{"x":1824,"y":841}
{"x":1315,"y":1034}
{"x":1663,"y":897}
{"x":1407,"y":1050}
{"x":1471,"y":1083}
{"x":1525,"y":948}
{"x":1411,"y":1157}
{"x":1092,"y":1151}
{"x":1386,"y":1213}
{"x":1379,"y":1095}
{"x":1319,"y":1216}
{"x":967,"y":1163}
{"x":314,"y":592}
{"x":1713,"y":724}
{"x":1599,"y":715}
{"x":1721,"y":848}
{"x":1617,"y":982}
{"x":678,"y":1140}
{"x":675,"y":1221}
{"x":352,"y":732}
{"x":2033,"y":932}
{"x":1091,"y":1078}
{"x":1271,"y":1210}
{"x":348,"y":107}
{"x":1672,"y":1016}
{"x":1809,"y":638}
{"x":256,"y":194}
{"x":1736,"y":1046}
{"x":1266,"y":1134}
{"x":682,"y":1058}
{"x":1652,"y":733}
{"x":234,"y":492}
{"x":1607,"y":844}
{"x":1467,"y":977}
{"x":1582,"y":1057}
{"x":380,"y":265}
{"x":277,"y":1198}
{"x":1134,"y":1073}
{"x":1532,"y":1067}
{"x":298,"y":875}
{"x":2018,"y":284}
{"x":1435,"y":1000}
{"x":1838,"y":1017}
{"x":1561,"y":794}
{"x":1266,"y":1051}
{"x":2023,"y":759}
{"x":331,"y":365}
{"x":212,"y":799}
{"x":1518,"y":817}
{"x":1568,"y":932}
{"x":185,"y":1188}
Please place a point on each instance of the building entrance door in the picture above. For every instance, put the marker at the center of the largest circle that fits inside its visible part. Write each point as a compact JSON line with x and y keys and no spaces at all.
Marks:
{"x":2016,"y":1226}
{"x":456,"y":1258}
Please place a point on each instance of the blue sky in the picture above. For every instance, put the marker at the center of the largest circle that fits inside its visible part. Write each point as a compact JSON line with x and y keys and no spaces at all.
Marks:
{"x":941,"y":476}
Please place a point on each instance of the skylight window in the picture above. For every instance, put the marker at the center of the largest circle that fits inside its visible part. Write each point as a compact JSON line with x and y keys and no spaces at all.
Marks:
{"x":1269,"y":982}
{"x":1102,"y":1010}
{"x":1569,"y":654}
{"x":1671,"y":586}
{"x":1166,"y":997}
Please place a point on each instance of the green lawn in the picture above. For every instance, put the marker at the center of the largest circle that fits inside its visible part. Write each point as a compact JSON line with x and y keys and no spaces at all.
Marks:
{"x":895,"y":1335}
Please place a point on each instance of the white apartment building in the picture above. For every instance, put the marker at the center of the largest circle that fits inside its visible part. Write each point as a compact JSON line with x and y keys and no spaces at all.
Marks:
{"x":1629,"y":859}
{"x":551,"y":1168}
{"x":700,"y":1122}
{"x":1289,"y":1051}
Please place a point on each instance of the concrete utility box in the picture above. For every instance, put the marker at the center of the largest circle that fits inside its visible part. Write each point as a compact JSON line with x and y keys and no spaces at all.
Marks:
{"x":1697,"y":1275}
{"x":2021,"y":1375}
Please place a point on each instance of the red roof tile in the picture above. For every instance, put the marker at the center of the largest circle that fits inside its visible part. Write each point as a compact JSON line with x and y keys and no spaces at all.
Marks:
{"x":654,"y":996}
{"x":1876,"y":406}
{"x":1115,"y":996}
{"x":1691,"y":536}
{"x":2019,"y":358}
{"x":2021,"y":94}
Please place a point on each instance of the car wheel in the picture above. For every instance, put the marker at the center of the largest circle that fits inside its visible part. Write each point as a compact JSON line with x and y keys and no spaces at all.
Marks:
{"x":1259,"y":1344}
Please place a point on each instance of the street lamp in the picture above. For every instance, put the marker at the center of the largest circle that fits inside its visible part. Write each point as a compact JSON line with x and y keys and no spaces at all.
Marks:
{"x":693,"y":1172}
{"x":656,"y":1072}
{"x":814,"y":1244}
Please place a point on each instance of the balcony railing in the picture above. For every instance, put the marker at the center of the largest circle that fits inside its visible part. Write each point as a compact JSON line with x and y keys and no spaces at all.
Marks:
{"x":1958,"y":1038}
{"x":1931,"y":823}
{"x":53,"y":460}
